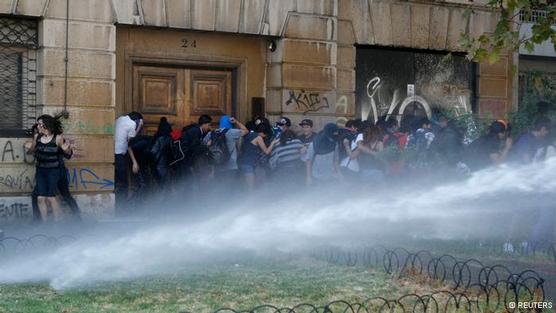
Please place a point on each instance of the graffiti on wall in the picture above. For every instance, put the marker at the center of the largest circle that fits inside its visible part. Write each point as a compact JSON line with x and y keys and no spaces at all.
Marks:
{"x":13,"y":151}
{"x":15,"y":209}
{"x":393,"y":82}
{"x":19,"y":180}
{"x":86,"y":178}
{"x":303,"y":101}
{"x":375,"y":106}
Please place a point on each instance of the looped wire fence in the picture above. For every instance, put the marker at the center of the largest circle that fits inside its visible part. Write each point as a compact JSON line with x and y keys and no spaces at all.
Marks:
{"x":483,"y":287}
{"x":13,"y":246}
{"x":468,"y":285}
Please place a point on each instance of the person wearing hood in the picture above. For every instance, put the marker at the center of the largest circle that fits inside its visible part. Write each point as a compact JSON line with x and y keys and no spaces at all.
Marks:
{"x":233,"y":130}
{"x":253,"y":146}
{"x":322,"y":156}
{"x":489,"y":149}
{"x":161,"y":151}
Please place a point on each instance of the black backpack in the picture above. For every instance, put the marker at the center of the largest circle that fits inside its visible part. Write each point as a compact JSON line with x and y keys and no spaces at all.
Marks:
{"x":219,"y":153}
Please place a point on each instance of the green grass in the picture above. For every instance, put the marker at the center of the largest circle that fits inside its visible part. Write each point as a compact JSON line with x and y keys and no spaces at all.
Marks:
{"x":207,"y":288}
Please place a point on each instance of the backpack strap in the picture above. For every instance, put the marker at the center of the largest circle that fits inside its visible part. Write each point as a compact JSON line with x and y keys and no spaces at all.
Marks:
{"x":182,"y":155}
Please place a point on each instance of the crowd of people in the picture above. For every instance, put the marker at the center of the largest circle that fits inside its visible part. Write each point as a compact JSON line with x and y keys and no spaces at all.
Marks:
{"x":243,"y":157}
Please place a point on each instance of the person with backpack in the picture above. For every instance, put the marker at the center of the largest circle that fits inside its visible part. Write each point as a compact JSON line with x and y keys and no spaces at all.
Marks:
{"x":253,"y":146}
{"x":322,"y":156}
{"x":418,"y":147}
{"x":161,"y":152}
{"x":192,"y":143}
{"x":195,"y":168}
{"x":223,"y":146}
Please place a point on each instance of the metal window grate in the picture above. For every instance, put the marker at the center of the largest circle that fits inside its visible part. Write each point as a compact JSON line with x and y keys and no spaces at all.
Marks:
{"x":18,"y":32}
{"x":533,"y":16}
{"x":18,"y":66}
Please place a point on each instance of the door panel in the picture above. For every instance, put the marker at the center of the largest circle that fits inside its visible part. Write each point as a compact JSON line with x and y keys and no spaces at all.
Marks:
{"x":180,"y":94}
{"x":211,"y":92}
{"x":157,"y":92}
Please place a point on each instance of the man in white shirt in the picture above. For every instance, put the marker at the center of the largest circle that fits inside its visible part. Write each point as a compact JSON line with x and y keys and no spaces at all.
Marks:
{"x":127,"y":127}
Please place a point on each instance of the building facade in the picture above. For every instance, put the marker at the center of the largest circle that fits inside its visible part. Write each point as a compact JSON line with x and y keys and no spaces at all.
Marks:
{"x":328,"y":60}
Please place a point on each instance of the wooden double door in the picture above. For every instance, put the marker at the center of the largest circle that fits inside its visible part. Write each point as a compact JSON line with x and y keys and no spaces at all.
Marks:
{"x":181,"y":94}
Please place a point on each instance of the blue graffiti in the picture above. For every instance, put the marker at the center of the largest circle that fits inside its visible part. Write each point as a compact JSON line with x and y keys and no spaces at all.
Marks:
{"x":85,"y":177}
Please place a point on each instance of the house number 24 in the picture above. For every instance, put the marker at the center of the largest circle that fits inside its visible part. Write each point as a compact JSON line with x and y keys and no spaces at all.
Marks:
{"x":187,"y":43}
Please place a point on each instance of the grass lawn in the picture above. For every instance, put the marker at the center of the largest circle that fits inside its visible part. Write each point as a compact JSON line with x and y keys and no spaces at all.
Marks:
{"x":207,"y":288}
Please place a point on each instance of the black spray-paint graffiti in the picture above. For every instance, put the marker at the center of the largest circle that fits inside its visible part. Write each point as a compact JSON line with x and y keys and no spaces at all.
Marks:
{"x":21,"y":181}
{"x":307,"y":102}
{"x":14,"y":210}
{"x":11,"y":154}
{"x":78,"y":178}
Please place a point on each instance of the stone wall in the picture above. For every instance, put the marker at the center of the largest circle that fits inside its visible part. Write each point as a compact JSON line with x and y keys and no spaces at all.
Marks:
{"x":90,"y":100}
{"x":310,"y":74}
{"x":429,"y":26}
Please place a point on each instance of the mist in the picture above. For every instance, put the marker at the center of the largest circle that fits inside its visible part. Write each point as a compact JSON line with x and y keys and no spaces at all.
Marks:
{"x":493,"y":203}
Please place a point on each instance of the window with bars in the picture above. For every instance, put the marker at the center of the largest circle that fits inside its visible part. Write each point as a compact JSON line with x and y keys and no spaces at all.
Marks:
{"x":533,"y":16}
{"x":18,"y":66}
